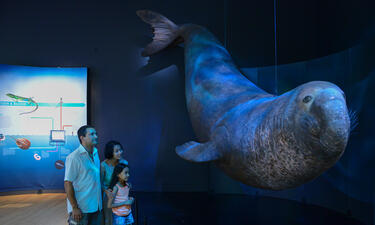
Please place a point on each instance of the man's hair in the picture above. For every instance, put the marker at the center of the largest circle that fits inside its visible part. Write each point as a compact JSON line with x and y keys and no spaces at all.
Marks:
{"x":109,"y":147}
{"x":82,"y":131}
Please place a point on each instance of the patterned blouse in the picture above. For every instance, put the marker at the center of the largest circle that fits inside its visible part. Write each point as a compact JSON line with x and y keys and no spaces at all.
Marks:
{"x":121,"y":196}
{"x":106,"y":173}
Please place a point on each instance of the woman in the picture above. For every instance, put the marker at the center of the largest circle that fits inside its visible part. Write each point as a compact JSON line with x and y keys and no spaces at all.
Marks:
{"x":113,"y":154}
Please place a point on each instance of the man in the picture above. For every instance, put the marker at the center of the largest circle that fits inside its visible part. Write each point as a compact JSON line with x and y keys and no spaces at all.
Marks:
{"x":82,"y":180}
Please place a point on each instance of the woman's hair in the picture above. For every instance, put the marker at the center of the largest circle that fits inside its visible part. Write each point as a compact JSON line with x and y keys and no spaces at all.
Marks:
{"x":108,"y":151}
{"x":116,"y":171}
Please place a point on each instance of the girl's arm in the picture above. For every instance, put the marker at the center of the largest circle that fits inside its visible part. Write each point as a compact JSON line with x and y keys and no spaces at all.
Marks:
{"x":127,"y":202}
{"x":114,"y":205}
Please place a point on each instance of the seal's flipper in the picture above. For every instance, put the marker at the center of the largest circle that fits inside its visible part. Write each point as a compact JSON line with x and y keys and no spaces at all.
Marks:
{"x":165,"y":31}
{"x":208,"y":151}
{"x":196,"y":152}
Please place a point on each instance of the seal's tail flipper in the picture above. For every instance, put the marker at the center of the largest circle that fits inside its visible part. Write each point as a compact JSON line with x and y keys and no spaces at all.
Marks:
{"x":165,"y":31}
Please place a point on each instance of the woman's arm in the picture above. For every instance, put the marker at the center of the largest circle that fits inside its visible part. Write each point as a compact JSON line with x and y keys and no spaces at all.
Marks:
{"x":111,"y":198}
{"x":102,"y":175}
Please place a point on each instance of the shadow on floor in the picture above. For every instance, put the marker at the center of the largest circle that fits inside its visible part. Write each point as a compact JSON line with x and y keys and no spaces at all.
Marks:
{"x":215,"y":209}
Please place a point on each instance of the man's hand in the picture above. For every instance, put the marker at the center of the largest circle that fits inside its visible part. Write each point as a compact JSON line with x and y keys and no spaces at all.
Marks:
{"x":77,"y":214}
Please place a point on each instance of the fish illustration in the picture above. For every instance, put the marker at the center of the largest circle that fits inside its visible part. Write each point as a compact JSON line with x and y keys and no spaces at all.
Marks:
{"x":262,"y":140}
{"x":20,"y":98}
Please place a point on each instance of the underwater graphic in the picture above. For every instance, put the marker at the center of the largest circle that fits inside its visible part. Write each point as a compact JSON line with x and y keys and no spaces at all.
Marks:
{"x":41,"y":109}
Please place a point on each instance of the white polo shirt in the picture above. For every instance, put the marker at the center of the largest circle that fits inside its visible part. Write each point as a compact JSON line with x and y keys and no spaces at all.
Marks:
{"x":84,"y":173}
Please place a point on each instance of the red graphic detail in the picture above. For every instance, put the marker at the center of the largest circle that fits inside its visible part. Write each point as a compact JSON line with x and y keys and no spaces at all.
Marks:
{"x":66,"y":126}
{"x":23,"y":143}
{"x":61,"y":102}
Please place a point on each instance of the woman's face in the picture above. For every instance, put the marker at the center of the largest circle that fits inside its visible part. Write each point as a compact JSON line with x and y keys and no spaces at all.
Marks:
{"x":117,"y":151}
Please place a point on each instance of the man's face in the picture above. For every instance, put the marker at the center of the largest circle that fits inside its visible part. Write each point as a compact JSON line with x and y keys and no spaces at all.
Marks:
{"x":91,"y":137}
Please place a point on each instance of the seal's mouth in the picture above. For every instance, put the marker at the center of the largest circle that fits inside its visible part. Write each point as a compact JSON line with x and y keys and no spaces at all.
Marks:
{"x":334,"y":139}
{"x":335,"y":124}
{"x":329,"y":109}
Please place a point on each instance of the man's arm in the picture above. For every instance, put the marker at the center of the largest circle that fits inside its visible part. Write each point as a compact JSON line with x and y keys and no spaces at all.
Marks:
{"x":76,"y":213}
{"x":70,"y":194}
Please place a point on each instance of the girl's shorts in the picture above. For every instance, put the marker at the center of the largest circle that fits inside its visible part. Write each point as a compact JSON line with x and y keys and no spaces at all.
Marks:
{"x":121,"y":220}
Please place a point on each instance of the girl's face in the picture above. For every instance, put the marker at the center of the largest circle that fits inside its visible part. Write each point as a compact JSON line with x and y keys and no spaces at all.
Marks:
{"x":117,"y":151}
{"x":124,"y":175}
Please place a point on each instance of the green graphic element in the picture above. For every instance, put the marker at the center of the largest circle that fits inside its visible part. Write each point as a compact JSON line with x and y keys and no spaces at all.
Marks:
{"x":11,"y":103}
{"x":20,"y":98}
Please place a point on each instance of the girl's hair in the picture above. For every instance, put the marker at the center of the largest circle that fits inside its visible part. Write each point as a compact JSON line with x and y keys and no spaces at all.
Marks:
{"x":118,"y":169}
{"x":108,"y":151}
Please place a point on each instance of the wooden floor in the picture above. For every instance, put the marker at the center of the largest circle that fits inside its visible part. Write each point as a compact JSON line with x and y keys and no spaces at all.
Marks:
{"x":182,"y":209}
{"x":33,"y":209}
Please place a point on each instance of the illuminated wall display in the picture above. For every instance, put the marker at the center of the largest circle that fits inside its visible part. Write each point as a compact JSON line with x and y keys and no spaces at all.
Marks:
{"x":41,"y":110}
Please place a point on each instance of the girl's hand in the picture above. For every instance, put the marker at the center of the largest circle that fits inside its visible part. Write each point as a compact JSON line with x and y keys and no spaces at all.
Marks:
{"x":109,"y":193}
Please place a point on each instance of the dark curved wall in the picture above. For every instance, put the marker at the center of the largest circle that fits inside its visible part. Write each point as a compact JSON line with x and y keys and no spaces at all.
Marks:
{"x":140,"y":101}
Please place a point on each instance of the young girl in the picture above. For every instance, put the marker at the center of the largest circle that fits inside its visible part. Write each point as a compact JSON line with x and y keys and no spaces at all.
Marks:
{"x":113,"y":153}
{"x":120,"y":202}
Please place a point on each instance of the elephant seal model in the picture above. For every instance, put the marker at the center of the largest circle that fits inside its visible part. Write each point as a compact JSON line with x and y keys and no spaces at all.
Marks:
{"x":262,"y":140}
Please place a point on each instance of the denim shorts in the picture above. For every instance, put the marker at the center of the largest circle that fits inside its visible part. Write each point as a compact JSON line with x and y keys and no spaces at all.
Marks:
{"x":122,"y":220}
{"x":87,"y":219}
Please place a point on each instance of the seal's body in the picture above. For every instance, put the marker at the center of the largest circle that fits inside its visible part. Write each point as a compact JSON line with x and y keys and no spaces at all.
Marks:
{"x":262,"y":140}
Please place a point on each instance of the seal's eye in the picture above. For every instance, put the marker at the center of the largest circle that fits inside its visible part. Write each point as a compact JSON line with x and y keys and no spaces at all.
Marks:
{"x":307,"y":99}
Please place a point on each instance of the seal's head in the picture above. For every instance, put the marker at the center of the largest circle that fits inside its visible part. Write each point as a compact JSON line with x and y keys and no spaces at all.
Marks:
{"x":322,"y":119}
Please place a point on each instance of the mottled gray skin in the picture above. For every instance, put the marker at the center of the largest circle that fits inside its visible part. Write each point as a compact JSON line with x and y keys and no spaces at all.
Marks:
{"x":288,"y":142}
{"x":262,"y":140}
